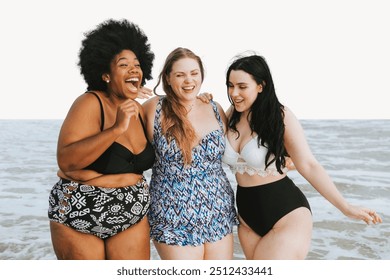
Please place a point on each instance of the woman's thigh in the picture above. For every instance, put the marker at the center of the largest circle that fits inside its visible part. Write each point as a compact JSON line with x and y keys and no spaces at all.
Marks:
{"x":131,"y":244}
{"x":220,"y":250}
{"x":176,"y":252}
{"x":289,"y":238}
{"x":70,"y":244}
{"x":248,"y":239}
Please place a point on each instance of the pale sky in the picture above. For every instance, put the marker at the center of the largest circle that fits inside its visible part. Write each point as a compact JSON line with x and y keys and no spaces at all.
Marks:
{"x":329,"y":59}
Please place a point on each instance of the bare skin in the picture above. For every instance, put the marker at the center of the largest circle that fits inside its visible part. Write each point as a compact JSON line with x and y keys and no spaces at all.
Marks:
{"x":277,"y":243}
{"x":219,"y":250}
{"x":131,"y":244}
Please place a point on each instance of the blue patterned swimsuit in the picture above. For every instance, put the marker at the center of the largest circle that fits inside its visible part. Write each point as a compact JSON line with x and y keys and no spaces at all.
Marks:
{"x":190,"y":205}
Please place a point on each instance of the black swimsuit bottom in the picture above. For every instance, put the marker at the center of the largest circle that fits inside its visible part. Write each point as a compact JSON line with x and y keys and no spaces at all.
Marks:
{"x":262,"y":206}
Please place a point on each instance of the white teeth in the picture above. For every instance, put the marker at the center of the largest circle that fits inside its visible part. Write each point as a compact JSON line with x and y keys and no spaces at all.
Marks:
{"x":188,"y":88}
{"x":132,"y":80}
{"x":132,"y":84}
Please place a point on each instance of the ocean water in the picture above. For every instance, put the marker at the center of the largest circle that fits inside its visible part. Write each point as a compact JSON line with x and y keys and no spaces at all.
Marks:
{"x":356,"y":154}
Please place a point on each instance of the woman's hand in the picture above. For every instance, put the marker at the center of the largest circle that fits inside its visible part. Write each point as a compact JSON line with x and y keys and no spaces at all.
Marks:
{"x":126,"y":110}
{"x":205,"y":97}
{"x":290,"y":164}
{"x":144,"y":93}
{"x":367,"y":215}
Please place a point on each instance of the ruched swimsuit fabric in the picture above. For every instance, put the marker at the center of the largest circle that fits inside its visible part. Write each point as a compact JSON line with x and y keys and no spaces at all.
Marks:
{"x":195,"y":204}
{"x":100,"y":211}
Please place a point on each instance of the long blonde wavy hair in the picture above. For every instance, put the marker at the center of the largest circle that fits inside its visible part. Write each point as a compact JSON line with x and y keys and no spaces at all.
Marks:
{"x":175,"y":124}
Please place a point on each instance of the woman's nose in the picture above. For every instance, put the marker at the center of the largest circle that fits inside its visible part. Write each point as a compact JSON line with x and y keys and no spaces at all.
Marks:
{"x":133,"y":70}
{"x":233,"y":92}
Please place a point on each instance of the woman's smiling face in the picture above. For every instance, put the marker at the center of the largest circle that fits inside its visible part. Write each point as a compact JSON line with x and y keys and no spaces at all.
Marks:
{"x":243,"y":90}
{"x":125,"y":75}
{"x":185,"y":78}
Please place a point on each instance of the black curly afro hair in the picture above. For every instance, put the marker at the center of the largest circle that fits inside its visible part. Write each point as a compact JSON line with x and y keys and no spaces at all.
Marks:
{"x":103,"y":43}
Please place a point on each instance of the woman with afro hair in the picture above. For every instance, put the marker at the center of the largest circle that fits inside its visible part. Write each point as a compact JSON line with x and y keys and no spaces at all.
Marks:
{"x":98,"y":208}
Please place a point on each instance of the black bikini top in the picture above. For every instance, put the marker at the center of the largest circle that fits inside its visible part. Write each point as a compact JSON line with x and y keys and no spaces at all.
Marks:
{"x":117,"y":159}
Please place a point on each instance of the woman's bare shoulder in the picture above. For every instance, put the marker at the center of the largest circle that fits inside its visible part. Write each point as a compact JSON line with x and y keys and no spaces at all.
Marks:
{"x":151,"y":102}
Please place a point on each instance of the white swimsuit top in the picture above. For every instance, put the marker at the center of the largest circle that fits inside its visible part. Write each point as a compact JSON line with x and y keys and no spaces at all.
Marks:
{"x":251,"y":160}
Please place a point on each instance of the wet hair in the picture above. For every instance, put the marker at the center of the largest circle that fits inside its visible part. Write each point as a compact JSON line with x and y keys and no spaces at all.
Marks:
{"x":266,"y":116}
{"x":175,"y":123}
{"x":103,"y":43}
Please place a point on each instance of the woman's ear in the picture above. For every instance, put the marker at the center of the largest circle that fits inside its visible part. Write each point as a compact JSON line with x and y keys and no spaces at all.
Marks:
{"x":106,"y":78}
{"x":259,"y":88}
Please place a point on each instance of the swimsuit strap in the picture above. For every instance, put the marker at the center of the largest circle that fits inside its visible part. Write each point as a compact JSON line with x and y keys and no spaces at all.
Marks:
{"x":142,"y":123}
{"x":101,"y":109}
{"x":217,"y":115}
{"x":158,"y":114}
{"x":102,"y":112}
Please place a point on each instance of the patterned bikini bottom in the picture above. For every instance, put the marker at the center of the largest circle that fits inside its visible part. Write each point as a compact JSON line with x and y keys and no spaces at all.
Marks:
{"x":102,"y":212}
